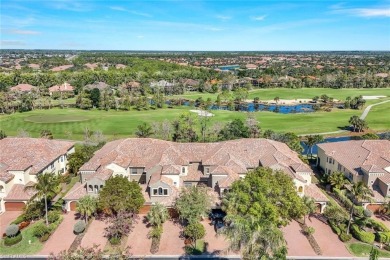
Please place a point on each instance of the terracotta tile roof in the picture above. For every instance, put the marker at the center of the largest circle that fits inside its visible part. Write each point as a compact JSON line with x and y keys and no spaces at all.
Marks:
{"x":22,"y":153}
{"x":230,"y":157}
{"x":61,"y":88}
{"x":19,"y":193}
{"x":23,"y":88}
{"x":76,"y":192}
{"x":354,"y":155}
{"x":314,"y":192}
{"x":385,"y":179}
{"x":61,"y":68}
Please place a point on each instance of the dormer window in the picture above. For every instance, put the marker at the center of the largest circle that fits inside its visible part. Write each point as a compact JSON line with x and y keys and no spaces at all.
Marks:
{"x":160,"y":192}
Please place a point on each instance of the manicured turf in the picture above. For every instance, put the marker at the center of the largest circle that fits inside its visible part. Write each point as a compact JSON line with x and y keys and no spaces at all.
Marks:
{"x":360,"y":249}
{"x":302,"y":93}
{"x":70,"y":123}
{"x":23,"y":247}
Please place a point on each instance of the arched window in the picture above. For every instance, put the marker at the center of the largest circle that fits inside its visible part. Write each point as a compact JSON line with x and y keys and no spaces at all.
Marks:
{"x":160,"y":191}
{"x":1,"y":188}
{"x":101,"y":186}
{"x":90,"y":188}
{"x":300,"y":189}
{"x":96,"y":188}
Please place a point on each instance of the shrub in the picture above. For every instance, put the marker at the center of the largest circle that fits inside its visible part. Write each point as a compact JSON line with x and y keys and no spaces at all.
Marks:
{"x":155,"y":245}
{"x":53,"y":216}
{"x":358,"y":211}
{"x":308,"y":231}
{"x":115,"y":240}
{"x":382,"y":237}
{"x":362,"y":235}
{"x":335,"y":228}
{"x":24,"y":224}
{"x":9,"y":241}
{"x":195,"y":231}
{"x":40,"y":230}
{"x":378,"y":226}
{"x":155,"y":232}
{"x":12,"y":230}
{"x":18,"y":220}
{"x":34,"y":210}
{"x":345,"y":237}
{"x":79,"y":227}
{"x":45,"y":237}
{"x":367,"y":213}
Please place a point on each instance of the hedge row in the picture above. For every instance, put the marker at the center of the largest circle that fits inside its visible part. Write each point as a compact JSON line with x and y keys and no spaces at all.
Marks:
{"x":340,"y":230}
{"x":43,"y":232}
{"x":382,"y":237}
{"x":10,"y":241}
{"x":362,"y":235}
{"x":378,"y":226}
{"x":357,"y":211}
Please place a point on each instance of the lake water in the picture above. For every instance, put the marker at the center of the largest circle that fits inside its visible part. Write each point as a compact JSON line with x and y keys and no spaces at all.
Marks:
{"x":331,"y":140}
{"x":283,"y":109}
{"x":229,"y":67}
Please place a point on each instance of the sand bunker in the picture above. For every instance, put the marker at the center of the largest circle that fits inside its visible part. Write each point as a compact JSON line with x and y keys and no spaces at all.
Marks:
{"x":202,"y":113}
{"x":372,"y":97}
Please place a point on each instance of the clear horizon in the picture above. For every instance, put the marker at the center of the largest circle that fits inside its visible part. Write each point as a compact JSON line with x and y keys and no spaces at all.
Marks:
{"x":229,"y":26}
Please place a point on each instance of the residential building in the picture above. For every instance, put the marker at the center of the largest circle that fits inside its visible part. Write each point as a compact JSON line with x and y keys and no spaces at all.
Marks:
{"x":162,"y":168}
{"x":64,"y":88}
{"x":23,"y":88}
{"x":21,"y":160}
{"x":364,"y":160}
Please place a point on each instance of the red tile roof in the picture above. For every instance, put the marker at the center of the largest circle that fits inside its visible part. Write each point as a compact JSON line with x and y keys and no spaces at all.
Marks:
{"x":23,"y":88}
{"x":19,"y":193}
{"x":61,"y":88}
{"x":22,"y":153}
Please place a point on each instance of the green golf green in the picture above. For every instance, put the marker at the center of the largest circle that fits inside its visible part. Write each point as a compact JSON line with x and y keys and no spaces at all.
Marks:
{"x":56,"y":118}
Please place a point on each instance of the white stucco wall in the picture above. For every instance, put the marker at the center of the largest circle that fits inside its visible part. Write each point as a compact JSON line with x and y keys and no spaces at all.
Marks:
{"x":175,"y":179}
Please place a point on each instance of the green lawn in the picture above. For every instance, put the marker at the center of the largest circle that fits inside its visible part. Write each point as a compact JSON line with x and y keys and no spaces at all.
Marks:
{"x":67,"y":123}
{"x":360,"y":249}
{"x":23,"y":247}
{"x":286,"y":93}
{"x":70,"y":123}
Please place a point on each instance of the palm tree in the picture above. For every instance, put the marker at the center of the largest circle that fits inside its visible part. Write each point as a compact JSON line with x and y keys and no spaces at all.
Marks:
{"x":48,"y":184}
{"x":313,"y":140}
{"x":157,"y":215}
{"x":253,"y":238}
{"x":144,"y":130}
{"x":86,"y":206}
{"x":360,"y":192}
{"x":276,"y":99}
{"x":337,"y":180}
{"x":310,"y":207}
{"x":354,"y":121}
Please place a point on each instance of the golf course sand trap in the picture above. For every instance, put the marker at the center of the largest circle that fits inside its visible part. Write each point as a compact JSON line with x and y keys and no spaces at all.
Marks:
{"x":373,"y":97}
{"x":202,"y":113}
{"x":56,"y":119}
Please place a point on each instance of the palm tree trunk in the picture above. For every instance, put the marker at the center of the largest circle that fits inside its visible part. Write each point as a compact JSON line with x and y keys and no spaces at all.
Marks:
{"x":350,"y":220}
{"x":47,"y":220}
{"x":86,"y":218}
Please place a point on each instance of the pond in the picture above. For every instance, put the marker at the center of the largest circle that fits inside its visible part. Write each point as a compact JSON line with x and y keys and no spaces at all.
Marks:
{"x":229,"y":67}
{"x":332,"y":140}
{"x":253,"y":107}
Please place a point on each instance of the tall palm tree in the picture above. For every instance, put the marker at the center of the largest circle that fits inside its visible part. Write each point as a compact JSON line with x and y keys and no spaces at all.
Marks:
{"x":360,"y":192}
{"x":354,"y":121}
{"x":337,"y":180}
{"x":47,"y":186}
{"x":310,"y":207}
{"x":313,"y":140}
{"x":157,"y":215}
{"x":254,"y":239}
{"x":86,"y":206}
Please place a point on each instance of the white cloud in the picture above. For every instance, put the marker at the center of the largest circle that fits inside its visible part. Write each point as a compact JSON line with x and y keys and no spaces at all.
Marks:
{"x":362,"y":12}
{"x":259,"y":18}
{"x":23,"y":32}
{"x":140,"y":36}
{"x":367,"y":12}
{"x":223,"y":17}
{"x":122,"y":9}
{"x":12,"y":43}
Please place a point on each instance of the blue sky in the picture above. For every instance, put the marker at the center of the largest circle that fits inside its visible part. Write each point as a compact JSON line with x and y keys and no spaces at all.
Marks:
{"x":195,"y":25}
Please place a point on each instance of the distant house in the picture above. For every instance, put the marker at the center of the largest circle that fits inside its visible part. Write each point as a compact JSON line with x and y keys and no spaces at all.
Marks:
{"x":21,"y":160}
{"x":64,"y":88}
{"x":34,"y":66}
{"x":23,"y":88}
{"x":251,"y":66}
{"x":191,"y":84}
{"x":131,"y":86}
{"x":91,"y":66}
{"x":99,"y":85}
{"x":364,"y":160}
{"x":120,"y":66}
{"x":162,"y":168}
{"x":61,"y":68}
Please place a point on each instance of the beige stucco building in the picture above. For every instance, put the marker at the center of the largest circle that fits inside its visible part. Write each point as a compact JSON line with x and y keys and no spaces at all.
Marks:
{"x":21,"y":160}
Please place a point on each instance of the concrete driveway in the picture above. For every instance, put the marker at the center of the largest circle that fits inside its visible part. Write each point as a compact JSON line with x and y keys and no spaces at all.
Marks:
{"x":297,"y":243}
{"x":6,"y":218}
{"x":63,"y":237}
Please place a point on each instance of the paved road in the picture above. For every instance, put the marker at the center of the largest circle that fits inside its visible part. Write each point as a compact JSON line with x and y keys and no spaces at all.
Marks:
{"x":365,"y":112}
